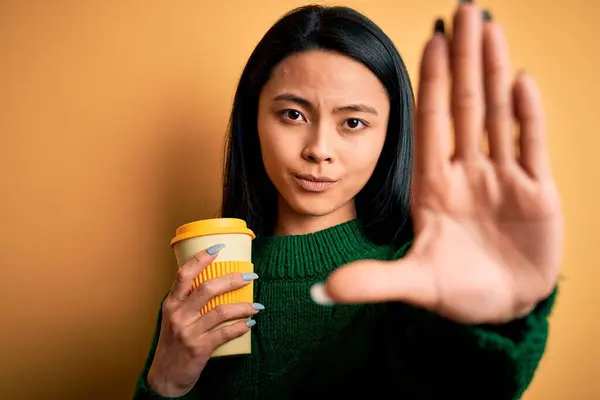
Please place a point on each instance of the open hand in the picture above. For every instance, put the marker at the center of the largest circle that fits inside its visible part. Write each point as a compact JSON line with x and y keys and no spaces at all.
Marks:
{"x":489,"y":226}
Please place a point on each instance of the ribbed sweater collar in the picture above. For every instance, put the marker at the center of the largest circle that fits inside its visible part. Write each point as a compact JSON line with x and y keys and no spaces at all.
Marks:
{"x":310,"y":255}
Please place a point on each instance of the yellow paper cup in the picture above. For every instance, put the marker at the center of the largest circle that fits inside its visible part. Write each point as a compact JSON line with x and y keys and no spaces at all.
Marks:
{"x":236,"y":256}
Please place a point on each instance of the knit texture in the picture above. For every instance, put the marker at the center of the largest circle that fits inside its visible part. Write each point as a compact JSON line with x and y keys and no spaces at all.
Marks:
{"x":301,"y":350}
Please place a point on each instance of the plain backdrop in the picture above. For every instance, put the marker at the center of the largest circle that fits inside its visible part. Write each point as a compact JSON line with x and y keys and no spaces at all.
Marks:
{"x":112,"y":123}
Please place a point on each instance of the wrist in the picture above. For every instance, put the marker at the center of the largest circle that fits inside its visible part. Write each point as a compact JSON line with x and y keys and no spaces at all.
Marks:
{"x":163,"y":386}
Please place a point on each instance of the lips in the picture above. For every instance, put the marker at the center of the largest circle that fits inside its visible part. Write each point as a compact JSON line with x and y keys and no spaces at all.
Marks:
{"x":313,"y":183}
{"x":312,"y":178}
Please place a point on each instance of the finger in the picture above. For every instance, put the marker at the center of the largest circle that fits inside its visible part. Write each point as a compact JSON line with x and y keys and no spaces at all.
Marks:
{"x":432,"y":120}
{"x":376,"y":281}
{"x":529,"y":111}
{"x":498,"y":97}
{"x":225,"y":312}
{"x":186,"y":274}
{"x":229,"y":332}
{"x":212,"y":288}
{"x":467,"y":81}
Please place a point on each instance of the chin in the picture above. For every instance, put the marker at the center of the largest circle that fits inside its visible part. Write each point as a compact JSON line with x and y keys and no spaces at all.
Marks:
{"x":317,"y":206}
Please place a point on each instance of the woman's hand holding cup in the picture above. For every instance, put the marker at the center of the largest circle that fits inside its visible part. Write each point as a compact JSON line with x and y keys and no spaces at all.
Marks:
{"x":188,"y":339}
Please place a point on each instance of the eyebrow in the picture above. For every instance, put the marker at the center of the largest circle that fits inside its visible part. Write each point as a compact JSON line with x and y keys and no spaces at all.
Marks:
{"x":304,"y":102}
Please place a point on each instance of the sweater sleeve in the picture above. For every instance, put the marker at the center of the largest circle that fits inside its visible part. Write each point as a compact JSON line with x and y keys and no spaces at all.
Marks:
{"x":142,"y":390}
{"x":468,"y":361}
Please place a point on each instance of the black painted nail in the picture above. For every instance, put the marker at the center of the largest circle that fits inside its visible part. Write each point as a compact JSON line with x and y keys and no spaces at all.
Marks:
{"x":439,"y":26}
{"x":487,"y":16}
{"x":465,"y":1}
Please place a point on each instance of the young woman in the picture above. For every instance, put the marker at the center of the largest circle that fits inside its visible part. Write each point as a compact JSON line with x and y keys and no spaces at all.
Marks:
{"x":320,"y":164}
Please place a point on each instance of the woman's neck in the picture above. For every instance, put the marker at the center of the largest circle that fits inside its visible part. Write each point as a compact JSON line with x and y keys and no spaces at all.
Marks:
{"x":290,"y":222}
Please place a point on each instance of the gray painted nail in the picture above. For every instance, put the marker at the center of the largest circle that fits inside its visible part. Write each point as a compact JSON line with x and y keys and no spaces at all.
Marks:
{"x":250,"y":323}
{"x":214,"y":249}
{"x":258,"y":306}
{"x":250,"y":276}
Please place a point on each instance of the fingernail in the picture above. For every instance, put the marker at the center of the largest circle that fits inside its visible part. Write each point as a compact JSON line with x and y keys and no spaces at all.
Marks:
{"x":258,"y":306}
{"x":465,"y":1}
{"x":487,"y":16}
{"x":214,"y":249}
{"x":439,"y":26}
{"x":250,"y":276}
{"x":250,"y":323}
{"x":319,"y":295}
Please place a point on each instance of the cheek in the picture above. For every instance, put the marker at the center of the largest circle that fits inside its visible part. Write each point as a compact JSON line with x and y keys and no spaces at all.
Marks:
{"x":361,"y":159}
{"x":276,"y":150}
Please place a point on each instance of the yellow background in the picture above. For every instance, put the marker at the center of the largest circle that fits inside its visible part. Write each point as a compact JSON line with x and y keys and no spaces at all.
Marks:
{"x":112,"y":120}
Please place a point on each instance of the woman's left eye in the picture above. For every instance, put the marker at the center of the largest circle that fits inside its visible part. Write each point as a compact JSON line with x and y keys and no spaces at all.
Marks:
{"x":354,"y":123}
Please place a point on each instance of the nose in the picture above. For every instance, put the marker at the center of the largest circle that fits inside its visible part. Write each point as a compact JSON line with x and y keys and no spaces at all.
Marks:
{"x":318,"y":149}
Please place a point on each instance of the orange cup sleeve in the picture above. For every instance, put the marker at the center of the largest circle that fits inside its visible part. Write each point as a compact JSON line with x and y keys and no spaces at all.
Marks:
{"x":220,"y":268}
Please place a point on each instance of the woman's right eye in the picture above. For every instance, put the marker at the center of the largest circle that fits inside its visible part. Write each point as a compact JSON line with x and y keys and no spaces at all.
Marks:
{"x":292,"y":115}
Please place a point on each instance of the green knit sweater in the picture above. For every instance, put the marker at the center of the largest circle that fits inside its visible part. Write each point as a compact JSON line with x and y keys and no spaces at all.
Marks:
{"x":301,"y":350}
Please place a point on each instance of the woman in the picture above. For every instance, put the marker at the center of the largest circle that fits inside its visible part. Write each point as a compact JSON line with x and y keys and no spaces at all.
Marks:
{"x":319,"y":164}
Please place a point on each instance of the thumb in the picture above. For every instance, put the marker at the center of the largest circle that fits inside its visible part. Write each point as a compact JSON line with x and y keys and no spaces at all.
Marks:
{"x":371,"y":281}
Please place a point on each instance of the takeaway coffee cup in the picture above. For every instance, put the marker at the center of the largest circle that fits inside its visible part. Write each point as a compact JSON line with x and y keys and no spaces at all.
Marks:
{"x":236,"y":256}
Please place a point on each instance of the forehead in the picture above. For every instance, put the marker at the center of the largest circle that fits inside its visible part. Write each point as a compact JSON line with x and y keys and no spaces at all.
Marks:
{"x":325,"y":75}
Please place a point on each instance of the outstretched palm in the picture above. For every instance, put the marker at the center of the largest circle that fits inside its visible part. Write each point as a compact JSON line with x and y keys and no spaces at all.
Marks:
{"x":489,"y":225}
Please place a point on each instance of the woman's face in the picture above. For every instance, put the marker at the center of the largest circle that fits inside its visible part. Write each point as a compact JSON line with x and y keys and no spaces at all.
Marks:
{"x":322,"y":122}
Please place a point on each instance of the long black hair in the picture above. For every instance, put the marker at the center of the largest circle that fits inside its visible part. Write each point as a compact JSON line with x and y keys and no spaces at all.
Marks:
{"x":383,"y":205}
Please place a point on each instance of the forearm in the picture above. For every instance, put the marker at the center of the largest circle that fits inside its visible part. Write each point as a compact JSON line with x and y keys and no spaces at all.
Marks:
{"x":471,"y":362}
